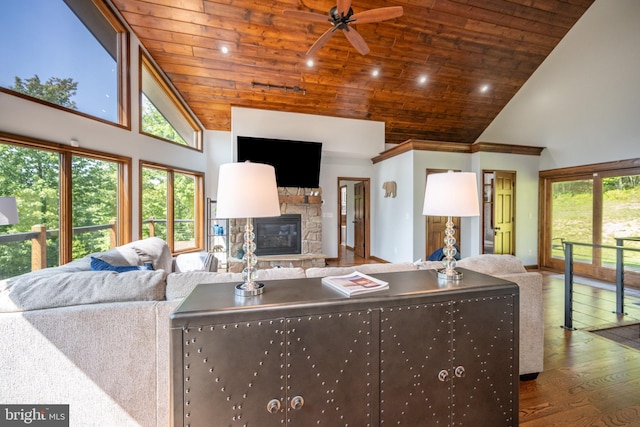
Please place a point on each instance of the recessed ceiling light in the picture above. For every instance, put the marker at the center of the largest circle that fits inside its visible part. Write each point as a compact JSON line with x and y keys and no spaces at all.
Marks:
{"x":484,"y":88}
{"x":224,"y":49}
{"x":375,"y":73}
{"x":422,"y":80}
{"x":309,"y":62}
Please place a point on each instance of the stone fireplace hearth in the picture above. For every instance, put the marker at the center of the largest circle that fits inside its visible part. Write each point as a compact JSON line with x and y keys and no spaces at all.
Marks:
{"x":306,"y":202}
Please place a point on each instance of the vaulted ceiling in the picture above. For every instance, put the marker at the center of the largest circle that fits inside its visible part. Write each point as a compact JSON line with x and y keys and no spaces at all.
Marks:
{"x":474,"y":55}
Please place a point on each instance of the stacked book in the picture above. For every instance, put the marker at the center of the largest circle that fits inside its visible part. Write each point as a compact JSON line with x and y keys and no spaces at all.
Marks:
{"x":355,"y":283}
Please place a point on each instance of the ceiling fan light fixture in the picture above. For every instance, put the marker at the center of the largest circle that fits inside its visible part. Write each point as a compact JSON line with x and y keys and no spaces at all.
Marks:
{"x":341,"y":17}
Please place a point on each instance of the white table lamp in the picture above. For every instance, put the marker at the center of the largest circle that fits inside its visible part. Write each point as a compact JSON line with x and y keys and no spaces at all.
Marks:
{"x":248,"y":190}
{"x":451,"y":194}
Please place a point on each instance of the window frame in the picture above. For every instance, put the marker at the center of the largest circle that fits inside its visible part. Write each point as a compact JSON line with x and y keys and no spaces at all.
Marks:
{"x":123,"y":228}
{"x":145,"y":61}
{"x":596,"y":173}
{"x":123,"y":65}
{"x":199,"y":204}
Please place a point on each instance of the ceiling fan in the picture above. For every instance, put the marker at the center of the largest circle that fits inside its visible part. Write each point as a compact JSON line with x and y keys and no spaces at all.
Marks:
{"x":341,"y":17}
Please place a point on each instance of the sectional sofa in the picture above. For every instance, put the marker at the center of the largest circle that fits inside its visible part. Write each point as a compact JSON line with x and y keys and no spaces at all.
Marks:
{"x":99,"y":340}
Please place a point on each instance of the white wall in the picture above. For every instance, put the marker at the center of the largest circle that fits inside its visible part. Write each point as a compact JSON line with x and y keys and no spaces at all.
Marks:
{"x":22,"y":117}
{"x":583,"y":102}
{"x":347,"y":148}
{"x":362,"y":139}
{"x":526,"y":200}
{"x":397,"y":224}
{"x":393,"y":228}
{"x":218,"y":150}
{"x":422,"y":161}
{"x":333,"y":167}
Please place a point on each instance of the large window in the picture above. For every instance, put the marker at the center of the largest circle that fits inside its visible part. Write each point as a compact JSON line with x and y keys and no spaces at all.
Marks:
{"x":172,"y":206}
{"x":595,"y":205}
{"x":69,"y":53}
{"x":71,"y":202}
{"x":162,"y":114}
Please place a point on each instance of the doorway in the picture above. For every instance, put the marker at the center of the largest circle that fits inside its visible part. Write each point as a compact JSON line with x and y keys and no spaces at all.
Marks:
{"x":498,"y":212}
{"x":354,"y":227}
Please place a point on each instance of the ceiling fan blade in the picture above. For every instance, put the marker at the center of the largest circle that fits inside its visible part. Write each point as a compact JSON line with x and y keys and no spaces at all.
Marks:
{"x":343,"y":7}
{"x":307,"y":16}
{"x":377,"y":15}
{"x":321,"y":41}
{"x":356,"y":40}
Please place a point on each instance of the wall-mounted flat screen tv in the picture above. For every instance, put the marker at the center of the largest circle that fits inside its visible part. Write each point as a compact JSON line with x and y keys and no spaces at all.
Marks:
{"x":297,"y":163}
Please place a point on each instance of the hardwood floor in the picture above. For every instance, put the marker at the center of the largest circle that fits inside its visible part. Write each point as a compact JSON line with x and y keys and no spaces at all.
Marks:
{"x":587,"y":380}
{"x":347,"y":257}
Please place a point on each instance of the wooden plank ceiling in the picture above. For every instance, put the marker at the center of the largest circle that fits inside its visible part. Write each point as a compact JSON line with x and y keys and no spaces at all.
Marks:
{"x":458,"y":45}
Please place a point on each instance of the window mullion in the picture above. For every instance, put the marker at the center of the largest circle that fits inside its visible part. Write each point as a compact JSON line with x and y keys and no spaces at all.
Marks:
{"x":65,"y":236}
{"x":597,"y":220}
{"x":124,"y":204}
{"x":170,"y":210}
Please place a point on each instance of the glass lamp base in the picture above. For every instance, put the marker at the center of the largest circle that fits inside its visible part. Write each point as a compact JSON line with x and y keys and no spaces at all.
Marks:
{"x":246,"y":290}
{"x":456,"y":275}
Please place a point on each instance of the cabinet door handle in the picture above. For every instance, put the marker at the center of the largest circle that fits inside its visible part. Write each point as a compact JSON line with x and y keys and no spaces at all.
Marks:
{"x":297,"y":402}
{"x":443,"y":375}
{"x":273,"y":407}
{"x":459,"y":371}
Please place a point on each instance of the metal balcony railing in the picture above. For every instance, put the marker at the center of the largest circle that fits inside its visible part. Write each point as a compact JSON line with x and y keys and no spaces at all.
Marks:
{"x":568,"y":274}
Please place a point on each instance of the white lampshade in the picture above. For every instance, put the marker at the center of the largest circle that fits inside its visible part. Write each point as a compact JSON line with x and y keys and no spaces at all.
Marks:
{"x":247,"y":190}
{"x":8,"y":211}
{"x":451,"y":194}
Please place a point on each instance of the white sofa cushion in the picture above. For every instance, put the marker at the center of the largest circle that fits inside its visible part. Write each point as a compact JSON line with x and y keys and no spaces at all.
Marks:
{"x":51,"y":287}
{"x":195,"y":261}
{"x":490,"y":264}
{"x":493,"y":265}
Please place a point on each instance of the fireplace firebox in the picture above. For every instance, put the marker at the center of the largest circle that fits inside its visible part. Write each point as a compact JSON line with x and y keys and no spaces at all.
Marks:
{"x":278,"y":235}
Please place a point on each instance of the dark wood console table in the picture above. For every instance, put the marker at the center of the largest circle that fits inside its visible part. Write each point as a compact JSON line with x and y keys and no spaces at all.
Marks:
{"x":424,"y":352}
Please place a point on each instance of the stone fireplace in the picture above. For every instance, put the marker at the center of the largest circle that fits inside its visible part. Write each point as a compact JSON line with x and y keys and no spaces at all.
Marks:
{"x":305,"y":203}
